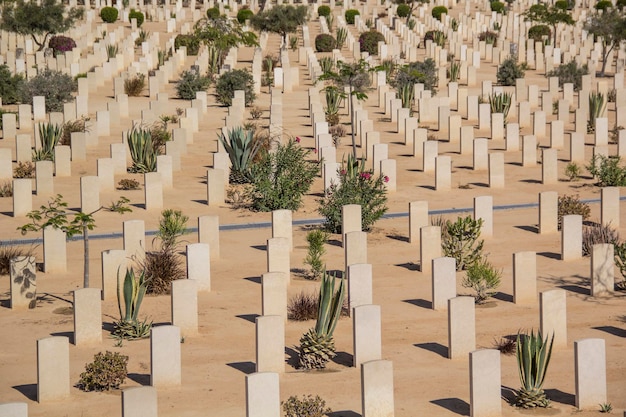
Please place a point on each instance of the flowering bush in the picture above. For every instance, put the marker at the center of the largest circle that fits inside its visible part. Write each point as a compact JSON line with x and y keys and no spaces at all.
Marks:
{"x":61,"y":44}
{"x":356,"y":186}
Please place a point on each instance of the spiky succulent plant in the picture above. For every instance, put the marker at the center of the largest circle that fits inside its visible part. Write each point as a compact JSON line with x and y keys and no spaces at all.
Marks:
{"x":533,"y":357}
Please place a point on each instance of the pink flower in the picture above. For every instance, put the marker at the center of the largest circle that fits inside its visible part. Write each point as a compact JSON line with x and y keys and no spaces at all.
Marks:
{"x":365,"y":175}
{"x":343,"y":172}
{"x":315,"y":150}
{"x":298,"y":139}
{"x":386,"y":179}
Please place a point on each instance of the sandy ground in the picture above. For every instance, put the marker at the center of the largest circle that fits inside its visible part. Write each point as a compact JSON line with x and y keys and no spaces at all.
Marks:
{"x":414,"y":336}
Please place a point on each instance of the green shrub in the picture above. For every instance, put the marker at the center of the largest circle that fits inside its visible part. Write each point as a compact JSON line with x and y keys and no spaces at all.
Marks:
{"x":135,"y":14}
{"x":323,"y":10}
{"x":498,"y":7}
{"x":572,"y":171}
{"x":282,"y":177}
{"x":350,"y":14}
{"x":438,"y":11}
{"x":490,"y":38}
{"x":213,"y":13}
{"x":607,"y":171}
{"x":483,"y":278}
{"x":563,"y":4}
{"x":437,"y":36}
{"x":570,"y":73}
{"x":108,"y":14}
{"x":55,"y":86}
{"x":192,"y":43}
{"x":190,"y":83}
{"x":308,"y":406}
{"x":243,"y":15}
{"x":107,"y":371}
{"x":603,"y":5}
{"x":509,"y":71}
{"x":596,"y":234}
{"x":10,"y":85}
{"x":418,"y":72}
{"x":134,"y":86}
{"x":324,"y":43}
{"x":571,"y":204}
{"x":234,"y":80}
{"x":620,"y":4}
{"x":356,"y":186}
{"x":369,"y":41}
{"x":316,"y":239}
{"x":459,"y":240}
{"x":538,"y":32}
{"x":403,"y":10}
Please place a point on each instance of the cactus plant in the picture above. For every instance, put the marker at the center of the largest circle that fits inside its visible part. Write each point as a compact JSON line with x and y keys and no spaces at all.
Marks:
{"x":242,"y":149}
{"x":317,"y":346}
{"x":533,"y":358}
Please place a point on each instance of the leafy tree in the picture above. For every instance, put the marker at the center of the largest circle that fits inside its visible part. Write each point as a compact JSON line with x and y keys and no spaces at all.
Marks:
{"x":38,"y":20}
{"x":55,"y":215}
{"x":549,"y":15}
{"x":281,"y":19}
{"x":413,"y":4}
{"x":610,"y":25}
{"x":356,"y":77}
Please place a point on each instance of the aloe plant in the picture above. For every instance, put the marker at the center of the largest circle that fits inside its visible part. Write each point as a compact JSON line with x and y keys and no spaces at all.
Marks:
{"x":317,"y":346}
{"x":454,"y":73}
{"x":49,"y":136}
{"x":142,"y":151}
{"x":439,"y":38}
{"x":500,"y":103}
{"x":406,"y":95}
{"x":533,"y":357}
{"x":334,"y":98}
{"x":112,"y":51}
{"x":133,"y":290}
{"x":597,"y":104}
{"x":341,"y":36}
{"x":242,"y":149}
{"x":326,"y":64}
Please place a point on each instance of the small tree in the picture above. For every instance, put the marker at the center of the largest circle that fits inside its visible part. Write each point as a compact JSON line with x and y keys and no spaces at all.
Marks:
{"x":282,"y":19}
{"x":356,"y":77}
{"x":38,"y":19}
{"x":610,"y":25}
{"x":55,"y":215}
{"x":412,"y":4}
{"x":549,"y":15}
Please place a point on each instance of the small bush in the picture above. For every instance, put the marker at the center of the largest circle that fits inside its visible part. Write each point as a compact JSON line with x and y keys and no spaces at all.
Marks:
{"x":191,"y":42}
{"x":6,"y":189}
{"x":350,"y":14}
{"x":243,"y":15}
{"x":24,"y":170}
{"x":134,"y":86}
{"x":9,"y":251}
{"x":562,"y":5}
{"x":316,"y":239}
{"x":108,"y":14}
{"x":403,"y":10}
{"x":438,"y":11}
{"x":459,"y":240}
{"x":323,"y":10}
{"x":107,"y":371}
{"x":134,"y":14}
{"x":571,"y":204}
{"x":608,"y":171}
{"x":570,"y":73}
{"x":509,"y":71}
{"x":10,"y":85}
{"x":61,"y":44}
{"x":538,"y":32}
{"x":572,"y":171}
{"x":213,"y":13}
{"x":308,"y":406}
{"x":234,"y":80}
{"x":303,"y":307}
{"x":72,"y":126}
{"x":483,"y":278}
{"x":281,"y":178}
{"x":603,"y":5}
{"x":190,"y":83}
{"x":418,"y":72}
{"x":506,"y":345}
{"x":498,"y":7}
{"x":369,"y":41}
{"x":596,"y":234}
{"x":490,"y":38}
{"x":621,"y":4}
{"x":128,"y":184}
{"x":356,"y":186}
{"x":324,"y":43}
{"x":55,"y":86}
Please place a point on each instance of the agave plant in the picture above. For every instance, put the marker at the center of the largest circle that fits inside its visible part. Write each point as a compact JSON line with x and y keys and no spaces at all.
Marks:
{"x":454,"y":25}
{"x":317,"y":346}
{"x":334,"y":98}
{"x":454,"y":73}
{"x":533,"y":357}
{"x":341,"y":36}
{"x":406,"y":95}
{"x":142,"y":151}
{"x":134,"y":289}
{"x":49,"y":136}
{"x":439,"y":38}
{"x":597,"y":104}
{"x":326,"y":64}
{"x":500,"y":103}
{"x":112,"y":51}
{"x":242,"y":149}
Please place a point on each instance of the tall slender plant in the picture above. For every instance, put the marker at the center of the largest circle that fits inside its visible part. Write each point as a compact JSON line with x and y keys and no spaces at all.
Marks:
{"x":533,"y":357}
{"x":317,"y":346}
{"x":340,"y":37}
{"x":500,"y":103}
{"x":133,"y":290}
{"x":597,"y":104}
{"x":334,"y":98}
